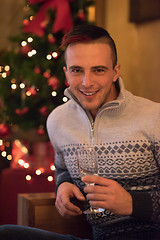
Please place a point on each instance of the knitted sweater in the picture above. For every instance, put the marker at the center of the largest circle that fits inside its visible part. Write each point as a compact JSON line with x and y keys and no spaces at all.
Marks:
{"x":126,"y":136}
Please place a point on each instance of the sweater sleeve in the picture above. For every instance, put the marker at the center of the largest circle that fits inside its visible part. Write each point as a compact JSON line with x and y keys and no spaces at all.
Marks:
{"x":142,"y":205}
{"x":61,"y":173}
{"x":146,"y":204}
{"x":155,"y":193}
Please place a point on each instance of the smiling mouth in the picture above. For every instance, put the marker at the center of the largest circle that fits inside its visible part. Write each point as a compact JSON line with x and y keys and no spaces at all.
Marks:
{"x":88,"y":93}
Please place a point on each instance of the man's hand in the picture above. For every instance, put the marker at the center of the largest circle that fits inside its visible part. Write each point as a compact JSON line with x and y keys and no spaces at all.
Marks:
{"x":108,"y":194}
{"x":65,"y":192}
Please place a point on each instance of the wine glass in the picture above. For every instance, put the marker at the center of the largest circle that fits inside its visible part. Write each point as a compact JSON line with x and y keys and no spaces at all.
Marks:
{"x":87,"y":164}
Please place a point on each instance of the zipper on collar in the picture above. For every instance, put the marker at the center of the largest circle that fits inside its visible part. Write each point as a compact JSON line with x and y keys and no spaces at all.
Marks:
{"x":92,"y":133}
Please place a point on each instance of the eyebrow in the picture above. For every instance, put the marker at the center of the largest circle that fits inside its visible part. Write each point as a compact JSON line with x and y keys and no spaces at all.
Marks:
{"x":74,"y":66}
{"x":94,"y":67}
{"x":99,"y":66}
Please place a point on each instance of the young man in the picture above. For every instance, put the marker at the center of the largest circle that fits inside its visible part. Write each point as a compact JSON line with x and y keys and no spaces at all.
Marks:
{"x":123,"y":129}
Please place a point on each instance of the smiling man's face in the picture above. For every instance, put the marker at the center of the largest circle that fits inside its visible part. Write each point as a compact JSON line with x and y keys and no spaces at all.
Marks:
{"x":90,"y":74}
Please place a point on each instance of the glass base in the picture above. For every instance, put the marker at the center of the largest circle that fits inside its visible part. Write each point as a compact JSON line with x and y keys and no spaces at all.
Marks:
{"x":92,"y":210}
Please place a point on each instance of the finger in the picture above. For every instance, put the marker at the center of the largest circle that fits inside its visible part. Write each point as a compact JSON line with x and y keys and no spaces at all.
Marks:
{"x":67,"y":209}
{"x":98,"y":204}
{"x":70,"y":207}
{"x":97,"y":196}
{"x":97,"y":189}
{"x":78,"y":194}
{"x":97,"y":180}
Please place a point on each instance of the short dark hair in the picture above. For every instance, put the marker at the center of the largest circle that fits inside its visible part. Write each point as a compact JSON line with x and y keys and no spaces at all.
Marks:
{"x":90,"y":33}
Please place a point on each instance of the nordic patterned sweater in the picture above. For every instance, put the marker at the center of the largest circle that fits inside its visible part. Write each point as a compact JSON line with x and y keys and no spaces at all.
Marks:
{"x":126,"y":136}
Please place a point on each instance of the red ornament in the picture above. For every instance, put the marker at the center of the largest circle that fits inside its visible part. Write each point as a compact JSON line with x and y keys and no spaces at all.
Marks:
{"x":40,"y":131}
{"x":54,"y":82}
{"x":51,"y":38}
{"x":81,"y":15}
{"x":4,"y":130}
{"x":46,"y":74}
{"x":44,"y":111}
{"x":37,"y":70}
{"x":21,"y":112}
{"x":32,"y":91}
{"x":25,"y":22}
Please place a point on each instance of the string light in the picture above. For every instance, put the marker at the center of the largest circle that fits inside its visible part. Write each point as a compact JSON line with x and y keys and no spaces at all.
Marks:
{"x":50,"y":178}
{"x":28,"y":177}
{"x":30,"y":39}
{"x":23,"y":43}
{"x":4,"y":154}
{"x":54,"y":93}
{"x":55,"y":54}
{"x":4,"y":75}
{"x":32,"y":53}
{"x":65,"y":99}
{"x":1,"y":142}
{"x":9,"y":157}
{"x":21,"y":162}
{"x":31,"y":18}
{"x":52,"y":167}
{"x":26,"y":165}
{"x":49,"y":57}
{"x":7,"y":68}
{"x":1,"y":68}
{"x":13,"y":86}
{"x":38,"y":172}
{"x":28,"y":93}
{"x":24,"y":149}
{"x":22,"y":85}
{"x":3,"y":145}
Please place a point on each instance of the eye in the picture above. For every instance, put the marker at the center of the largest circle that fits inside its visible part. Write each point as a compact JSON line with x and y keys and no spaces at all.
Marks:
{"x":76,"y":70}
{"x":99,"y":71}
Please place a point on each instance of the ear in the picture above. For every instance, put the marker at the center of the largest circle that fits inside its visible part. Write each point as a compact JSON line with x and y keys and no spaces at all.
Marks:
{"x":116,"y":72}
{"x":65,"y":71}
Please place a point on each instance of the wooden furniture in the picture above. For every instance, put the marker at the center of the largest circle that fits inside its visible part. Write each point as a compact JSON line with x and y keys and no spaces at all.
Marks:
{"x":38,"y":210}
{"x":12,"y":182}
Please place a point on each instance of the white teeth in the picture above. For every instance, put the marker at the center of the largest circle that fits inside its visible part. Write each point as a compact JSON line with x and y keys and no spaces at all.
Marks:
{"x":89,"y":94}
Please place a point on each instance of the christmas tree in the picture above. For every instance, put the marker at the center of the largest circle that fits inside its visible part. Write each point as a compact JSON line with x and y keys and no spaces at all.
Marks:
{"x":32,"y":81}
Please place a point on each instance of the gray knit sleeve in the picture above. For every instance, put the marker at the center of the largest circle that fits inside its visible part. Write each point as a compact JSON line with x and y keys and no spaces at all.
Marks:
{"x":146,"y":204}
{"x":155,"y":193}
{"x":61,"y":173}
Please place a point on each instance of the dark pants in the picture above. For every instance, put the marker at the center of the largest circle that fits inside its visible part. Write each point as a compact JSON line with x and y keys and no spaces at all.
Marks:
{"x":15,"y":232}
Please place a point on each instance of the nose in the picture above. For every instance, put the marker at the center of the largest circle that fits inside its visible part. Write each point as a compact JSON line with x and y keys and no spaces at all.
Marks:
{"x":87,"y":80}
